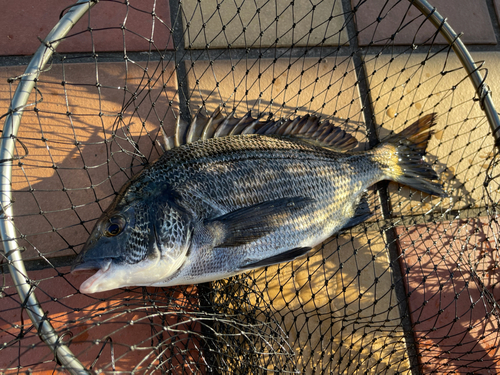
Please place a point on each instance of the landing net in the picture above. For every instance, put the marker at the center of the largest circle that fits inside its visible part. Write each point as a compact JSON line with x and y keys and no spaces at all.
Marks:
{"x":411,"y":291}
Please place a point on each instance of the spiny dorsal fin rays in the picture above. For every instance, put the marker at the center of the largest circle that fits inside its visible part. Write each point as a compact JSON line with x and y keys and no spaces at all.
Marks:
{"x":304,"y":125}
{"x":341,"y":139}
{"x":225,"y":126}
{"x":168,"y":142}
{"x":201,"y":127}
{"x":196,"y":127}
{"x":180,"y":131}
{"x":213,"y":123}
{"x":307,"y":128}
{"x":248,"y":124}
{"x":298,"y":125}
{"x":329,"y":135}
{"x":270,"y":127}
{"x":244,"y":122}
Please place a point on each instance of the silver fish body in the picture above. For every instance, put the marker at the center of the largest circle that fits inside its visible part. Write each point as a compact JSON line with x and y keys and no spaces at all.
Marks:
{"x":222,"y":206}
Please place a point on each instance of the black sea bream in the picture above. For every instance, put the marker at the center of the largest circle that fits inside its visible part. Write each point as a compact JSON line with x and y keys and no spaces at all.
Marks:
{"x":225,"y":202}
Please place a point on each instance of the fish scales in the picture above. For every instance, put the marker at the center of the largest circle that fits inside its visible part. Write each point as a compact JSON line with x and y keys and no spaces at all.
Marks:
{"x":240,"y":161}
{"x":218,"y":207}
{"x":324,"y":176}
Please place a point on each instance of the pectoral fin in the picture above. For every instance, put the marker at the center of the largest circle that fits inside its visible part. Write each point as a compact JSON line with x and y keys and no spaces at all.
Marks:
{"x":248,"y":224}
{"x":276,"y":259}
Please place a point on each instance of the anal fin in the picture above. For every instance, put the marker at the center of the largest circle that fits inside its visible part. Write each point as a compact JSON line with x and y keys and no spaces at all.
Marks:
{"x":361,"y":214}
{"x":276,"y":259}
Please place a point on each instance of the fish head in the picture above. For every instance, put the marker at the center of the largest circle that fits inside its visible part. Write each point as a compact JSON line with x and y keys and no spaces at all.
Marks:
{"x":125,"y":250}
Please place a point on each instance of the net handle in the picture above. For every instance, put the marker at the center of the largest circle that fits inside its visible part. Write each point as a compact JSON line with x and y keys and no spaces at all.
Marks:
{"x":482,"y":90}
{"x":7,"y":155}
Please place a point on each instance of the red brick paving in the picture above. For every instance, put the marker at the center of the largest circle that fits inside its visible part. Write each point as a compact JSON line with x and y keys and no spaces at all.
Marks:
{"x":452,"y":321}
{"x":23,"y":22}
{"x":470,"y":17}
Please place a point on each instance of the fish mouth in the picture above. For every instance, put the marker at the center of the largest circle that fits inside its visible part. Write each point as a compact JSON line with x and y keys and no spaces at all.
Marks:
{"x":112,"y":273}
{"x":91,"y":284}
{"x":90,"y":265}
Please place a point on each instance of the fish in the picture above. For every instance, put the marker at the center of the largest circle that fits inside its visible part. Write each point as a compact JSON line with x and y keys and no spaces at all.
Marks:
{"x":230,"y":195}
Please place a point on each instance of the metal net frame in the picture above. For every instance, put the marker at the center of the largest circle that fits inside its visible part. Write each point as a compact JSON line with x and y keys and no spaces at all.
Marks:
{"x":383,"y":297}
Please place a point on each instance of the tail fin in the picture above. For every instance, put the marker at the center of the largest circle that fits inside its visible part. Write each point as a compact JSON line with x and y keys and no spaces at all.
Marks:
{"x":401,"y":157}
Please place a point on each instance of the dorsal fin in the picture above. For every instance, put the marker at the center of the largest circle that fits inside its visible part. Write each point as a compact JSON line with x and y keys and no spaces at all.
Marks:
{"x":196,"y":127}
{"x":212,"y":124}
{"x":225,"y":126}
{"x":180,"y":132}
{"x":307,"y":128}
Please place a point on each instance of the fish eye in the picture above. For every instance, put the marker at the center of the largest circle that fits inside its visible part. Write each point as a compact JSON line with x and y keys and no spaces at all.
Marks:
{"x":114,"y":227}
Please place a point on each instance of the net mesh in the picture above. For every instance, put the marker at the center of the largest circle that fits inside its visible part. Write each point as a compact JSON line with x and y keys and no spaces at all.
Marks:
{"x":413,"y":290}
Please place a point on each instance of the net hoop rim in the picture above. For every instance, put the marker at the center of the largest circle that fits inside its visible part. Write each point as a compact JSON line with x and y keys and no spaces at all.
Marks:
{"x":7,"y":154}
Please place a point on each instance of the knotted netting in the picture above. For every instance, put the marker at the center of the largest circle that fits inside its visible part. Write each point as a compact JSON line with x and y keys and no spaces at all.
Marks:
{"x":412,"y":290}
